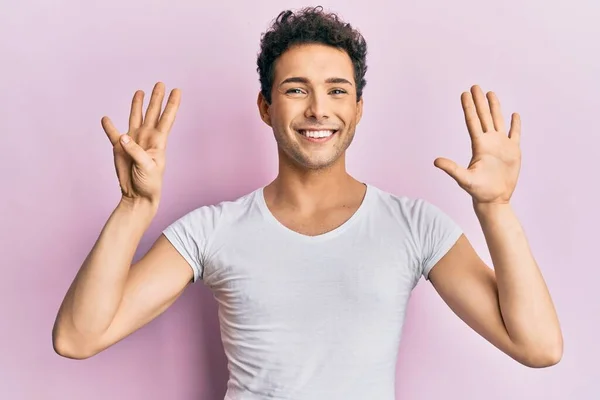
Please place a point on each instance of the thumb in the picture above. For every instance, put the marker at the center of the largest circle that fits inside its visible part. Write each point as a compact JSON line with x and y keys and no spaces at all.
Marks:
{"x":139,"y":156}
{"x":459,"y":174}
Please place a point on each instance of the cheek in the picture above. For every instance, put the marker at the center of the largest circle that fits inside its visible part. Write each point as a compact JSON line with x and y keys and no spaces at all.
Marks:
{"x":349,"y":107}
{"x":349,"y":115}
{"x":281,"y":115}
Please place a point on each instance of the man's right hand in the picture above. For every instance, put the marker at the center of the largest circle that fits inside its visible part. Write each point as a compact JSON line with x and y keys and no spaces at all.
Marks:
{"x":109,"y":297}
{"x":140,"y":153}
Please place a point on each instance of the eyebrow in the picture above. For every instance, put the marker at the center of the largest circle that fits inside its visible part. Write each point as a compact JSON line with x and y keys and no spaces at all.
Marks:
{"x":300,"y":79}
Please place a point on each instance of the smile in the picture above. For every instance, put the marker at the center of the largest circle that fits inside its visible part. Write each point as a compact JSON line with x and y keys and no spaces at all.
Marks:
{"x":317,"y":136}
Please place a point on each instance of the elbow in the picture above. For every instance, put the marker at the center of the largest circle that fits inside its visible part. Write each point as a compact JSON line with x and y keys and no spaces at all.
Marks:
{"x":544,"y":360}
{"x":65,"y":346}
{"x":544,"y":356}
{"x":67,"y":350}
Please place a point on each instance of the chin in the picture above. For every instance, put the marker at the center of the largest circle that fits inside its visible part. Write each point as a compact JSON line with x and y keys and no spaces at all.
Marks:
{"x":315,"y":164}
{"x":307,"y":158}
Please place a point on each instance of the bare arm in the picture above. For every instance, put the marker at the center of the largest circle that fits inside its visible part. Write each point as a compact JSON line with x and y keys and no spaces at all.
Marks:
{"x":108,"y":299}
{"x":523,"y":297}
{"x":510,"y":307}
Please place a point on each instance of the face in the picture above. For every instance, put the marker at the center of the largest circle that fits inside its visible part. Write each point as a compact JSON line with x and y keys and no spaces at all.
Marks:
{"x":313,"y":111}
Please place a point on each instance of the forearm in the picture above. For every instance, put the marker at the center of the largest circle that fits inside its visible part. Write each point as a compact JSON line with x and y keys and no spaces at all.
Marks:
{"x":525,"y":303}
{"x":96,"y":292}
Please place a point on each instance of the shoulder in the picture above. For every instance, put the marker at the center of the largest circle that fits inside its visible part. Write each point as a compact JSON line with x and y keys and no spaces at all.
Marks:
{"x":406,"y":208}
{"x":208,"y":218}
{"x":425,"y":220}
{"x":432,"y":229}
{"x":193,"y":232}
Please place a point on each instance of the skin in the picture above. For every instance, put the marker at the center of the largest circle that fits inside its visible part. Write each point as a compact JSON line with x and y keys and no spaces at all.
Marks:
{"x":313,"y":88}
{"x":509,"y":306}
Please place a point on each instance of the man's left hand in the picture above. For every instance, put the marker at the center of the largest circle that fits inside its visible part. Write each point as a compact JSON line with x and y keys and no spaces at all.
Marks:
{"x":492,"y":174}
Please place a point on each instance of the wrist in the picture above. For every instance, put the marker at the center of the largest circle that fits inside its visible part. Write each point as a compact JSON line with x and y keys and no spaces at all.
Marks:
{"x":139,"y":205}
{"x":491,"y":209}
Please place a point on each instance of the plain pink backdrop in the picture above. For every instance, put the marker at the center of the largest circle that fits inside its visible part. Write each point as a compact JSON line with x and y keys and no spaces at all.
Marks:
{"x":66,"y":63}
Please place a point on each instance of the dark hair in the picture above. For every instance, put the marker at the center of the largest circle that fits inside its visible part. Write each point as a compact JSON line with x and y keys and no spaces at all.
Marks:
{"x":310,"y":25}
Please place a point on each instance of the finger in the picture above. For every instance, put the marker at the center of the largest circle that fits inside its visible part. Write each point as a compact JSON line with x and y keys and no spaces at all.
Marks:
{"x":496,"y":111}
{"x":153,"y":111}
{"x":515,"y":128}
{"x":110,"y":130}
{"x":471,"y":118}
{"x":135,"y":116}
{"x":456,"y":172}
{"x":168,"y":116}
{"x":139,"y":156}
{"x":483,"y":109}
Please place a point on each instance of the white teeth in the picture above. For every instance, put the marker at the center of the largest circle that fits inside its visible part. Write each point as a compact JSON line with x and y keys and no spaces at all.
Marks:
{"x":317,"y":134}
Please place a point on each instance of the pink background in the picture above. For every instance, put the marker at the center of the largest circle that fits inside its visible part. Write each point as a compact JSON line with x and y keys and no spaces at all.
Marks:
{"x":67,"y":63}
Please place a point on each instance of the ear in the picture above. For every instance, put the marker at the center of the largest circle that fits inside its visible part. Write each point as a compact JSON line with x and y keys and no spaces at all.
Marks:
{"x":263,"y":109}
{"x":359,"y":109}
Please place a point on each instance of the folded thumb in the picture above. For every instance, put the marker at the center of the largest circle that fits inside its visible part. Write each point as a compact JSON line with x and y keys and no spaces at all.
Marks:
{"x":139,"y":156}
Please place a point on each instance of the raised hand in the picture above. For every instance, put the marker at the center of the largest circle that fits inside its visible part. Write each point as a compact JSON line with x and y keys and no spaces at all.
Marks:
{"x":140,"y":153}
{"x":492,"y":174}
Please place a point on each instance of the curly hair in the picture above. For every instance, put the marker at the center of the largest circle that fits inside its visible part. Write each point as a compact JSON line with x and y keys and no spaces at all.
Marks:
{"x":310,"y":25}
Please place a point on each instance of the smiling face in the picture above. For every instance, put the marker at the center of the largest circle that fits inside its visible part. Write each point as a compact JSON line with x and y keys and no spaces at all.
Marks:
{"x":313,"y":110}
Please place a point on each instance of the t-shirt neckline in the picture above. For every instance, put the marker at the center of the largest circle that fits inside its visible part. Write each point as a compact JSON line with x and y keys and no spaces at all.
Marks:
{"x":262,"y":203}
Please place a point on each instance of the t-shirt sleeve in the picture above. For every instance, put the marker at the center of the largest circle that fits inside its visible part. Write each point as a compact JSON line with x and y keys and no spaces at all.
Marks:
{"x":436,"y":234}
{"x":190,"y":235}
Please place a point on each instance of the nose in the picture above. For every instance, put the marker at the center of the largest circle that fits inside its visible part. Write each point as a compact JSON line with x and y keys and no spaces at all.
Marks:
{"x":317,"y":107}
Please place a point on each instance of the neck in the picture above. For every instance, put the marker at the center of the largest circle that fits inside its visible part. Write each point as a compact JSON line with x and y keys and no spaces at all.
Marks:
{"x":307,"y":189}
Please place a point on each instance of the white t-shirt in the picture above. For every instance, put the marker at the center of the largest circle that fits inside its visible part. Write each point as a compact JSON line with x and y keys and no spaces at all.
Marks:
{"x":313,"y":317}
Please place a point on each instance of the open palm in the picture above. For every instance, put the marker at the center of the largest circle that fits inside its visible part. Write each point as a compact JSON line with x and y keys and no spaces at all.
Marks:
{"x":492,"y":173}
{"x":139,"y":155}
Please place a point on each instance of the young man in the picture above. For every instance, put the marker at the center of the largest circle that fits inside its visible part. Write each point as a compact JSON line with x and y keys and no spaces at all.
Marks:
{"x":313,"y":272}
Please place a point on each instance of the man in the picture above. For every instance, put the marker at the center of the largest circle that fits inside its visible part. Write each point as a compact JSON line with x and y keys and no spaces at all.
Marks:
{"x":313,"y":272}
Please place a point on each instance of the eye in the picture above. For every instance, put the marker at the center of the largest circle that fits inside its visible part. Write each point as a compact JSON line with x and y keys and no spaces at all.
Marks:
{"x":294,"y":91}
{"x":338,"y":91}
